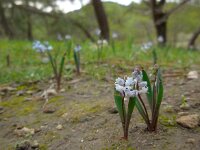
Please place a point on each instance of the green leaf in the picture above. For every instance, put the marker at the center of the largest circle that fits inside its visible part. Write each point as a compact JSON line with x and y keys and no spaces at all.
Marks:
{"x":149,"y":93}
{"x":160,"y":89}
{"x":62,"y":62}
{"x":131,"y":105}
{"x":140,"y":110}
{"x":120,"y":105}
{"x":53,"y":64}
{"x":77,"y":60}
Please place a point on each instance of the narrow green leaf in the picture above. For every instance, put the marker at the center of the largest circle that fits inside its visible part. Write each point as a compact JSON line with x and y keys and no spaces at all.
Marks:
{"x":62,"y":62}
{"x":119,"y":104}
{"x":149,"y":93}
{"x":77,"y":60}
{"x":140,"y":110}
{"x":160,"y":90}
{"x":131,"y":105}
{"x":53,"y":64}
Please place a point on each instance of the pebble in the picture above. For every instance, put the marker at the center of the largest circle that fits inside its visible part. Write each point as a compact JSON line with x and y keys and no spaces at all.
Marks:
{"x":20,"y":93}
{"x":24,"y":131}
{"x":192,"y":75}
{"x":49,"y":110}
{"x":35,"y":144}
{"x":59,"y":127}
{"x":183,"y":114}
{"x":191,"y":141}
{"x":189,"y":121}
{"x":185,"y":106}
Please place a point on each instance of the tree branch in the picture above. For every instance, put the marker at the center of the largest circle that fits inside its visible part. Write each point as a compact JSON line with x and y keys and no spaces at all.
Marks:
{"x":167,"y":14}
{"x":176,"y":7}
{"x":56,"y":16}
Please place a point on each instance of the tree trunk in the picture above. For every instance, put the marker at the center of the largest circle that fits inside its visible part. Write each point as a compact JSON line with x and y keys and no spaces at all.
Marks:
{"x":29,"y":28}
{"x":191,"y":44}
{"x":4,"y":22}
{"x":159,"y":21}
{"x":161,"y":32}
{"x":101,"y":19}
{"x":29,"y":25}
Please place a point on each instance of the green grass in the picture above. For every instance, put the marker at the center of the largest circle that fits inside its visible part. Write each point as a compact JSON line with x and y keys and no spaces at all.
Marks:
{"x":26,"y":64}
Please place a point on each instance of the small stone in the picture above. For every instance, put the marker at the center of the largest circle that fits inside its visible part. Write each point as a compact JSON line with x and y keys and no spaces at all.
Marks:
{"x":35,"y":144}
{"x":192,"y":75}
{"x":169,"y":109}
{"x":185,"y":106}
{"x":82,"y":141}
{"x":191,"y":141}
{"x":20,"y":93}
{"x":59,"y":127}
{"x":49,"y":110}
{"x":189,"y":121}
{"x":24,"y":131}
{"x":183,"y":114}
{"x":65,"y":115}
{"x":113,"y":110}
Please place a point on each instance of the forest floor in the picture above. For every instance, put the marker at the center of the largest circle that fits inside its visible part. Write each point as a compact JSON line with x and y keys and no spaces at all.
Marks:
{"x":82,"y":116}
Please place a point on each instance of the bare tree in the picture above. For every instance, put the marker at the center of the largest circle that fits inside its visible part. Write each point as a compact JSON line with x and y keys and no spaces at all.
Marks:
{"x":4,"y":22}
{"x":191,"y":44}
{"x":101,"y":19}
{"x":160,"y":17}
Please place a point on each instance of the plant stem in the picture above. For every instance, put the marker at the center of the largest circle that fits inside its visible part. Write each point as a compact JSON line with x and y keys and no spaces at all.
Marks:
{"x":124,"y":118}
{"x":144,"y":109}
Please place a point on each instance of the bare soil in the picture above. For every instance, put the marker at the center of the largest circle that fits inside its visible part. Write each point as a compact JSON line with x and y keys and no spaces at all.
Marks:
{"x":84,"y":111}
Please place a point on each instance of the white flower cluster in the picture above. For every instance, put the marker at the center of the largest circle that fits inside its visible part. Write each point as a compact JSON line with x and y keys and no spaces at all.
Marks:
{"x":146,"y":46}
{"x":41,"y":47}
{"x":131,"y":86}
{"x":77,"y":48}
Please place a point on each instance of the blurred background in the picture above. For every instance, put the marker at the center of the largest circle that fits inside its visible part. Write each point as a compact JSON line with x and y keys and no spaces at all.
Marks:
{"x":172,"y":22}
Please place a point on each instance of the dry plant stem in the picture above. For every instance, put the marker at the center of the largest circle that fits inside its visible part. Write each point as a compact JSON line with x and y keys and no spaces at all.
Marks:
{"x":8,"y":60}
{"x":123,"y":121}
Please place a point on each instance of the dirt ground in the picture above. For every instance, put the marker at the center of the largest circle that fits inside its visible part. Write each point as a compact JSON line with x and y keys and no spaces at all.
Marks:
{"x":84,"y":114}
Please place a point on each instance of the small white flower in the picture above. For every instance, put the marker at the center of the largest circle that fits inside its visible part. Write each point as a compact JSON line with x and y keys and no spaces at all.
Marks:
{"x":119,"y":88}
{"x":114,"y":35}
{"x":77,"y":48}
{"x":68,"y":37}
{"x":129,"y":81}
{"x":59,"y":37}
{"x":129,"y":92}
{"x":120,"y":81}
{"x":160,"y":39}
{"x":97,"y":32}
{"x":142,"y":84}
{"x":102,"y":42}
{"x":143,"y":90}
{"x":146,"y":46}
{"x":137,"y":75}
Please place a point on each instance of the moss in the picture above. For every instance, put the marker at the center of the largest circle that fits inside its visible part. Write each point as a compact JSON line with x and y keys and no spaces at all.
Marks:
{"x":168,"y":121}
{"x":43,"y":147}
{"x":19,"y":107}
{"x":12,"y":103}
{"x":55,"y":99}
